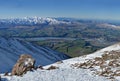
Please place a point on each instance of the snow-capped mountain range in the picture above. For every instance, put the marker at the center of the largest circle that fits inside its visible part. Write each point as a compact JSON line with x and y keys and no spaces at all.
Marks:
{"x":32,"y":21}
{"x":11,"y":49}
{"x":92,"y":67}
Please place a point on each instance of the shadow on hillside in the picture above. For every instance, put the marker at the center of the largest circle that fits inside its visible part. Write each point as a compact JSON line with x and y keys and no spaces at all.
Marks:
{"x":3,"y":79}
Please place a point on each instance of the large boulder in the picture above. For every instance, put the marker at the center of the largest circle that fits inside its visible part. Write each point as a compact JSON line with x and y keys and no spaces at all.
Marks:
{"x":25,"y":63}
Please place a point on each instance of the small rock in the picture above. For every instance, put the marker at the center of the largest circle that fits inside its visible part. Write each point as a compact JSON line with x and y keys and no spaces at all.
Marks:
{"x":52,"y":68}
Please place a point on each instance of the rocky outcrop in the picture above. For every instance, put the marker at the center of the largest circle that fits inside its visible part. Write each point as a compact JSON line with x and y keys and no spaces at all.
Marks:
{"x":25,"y":63}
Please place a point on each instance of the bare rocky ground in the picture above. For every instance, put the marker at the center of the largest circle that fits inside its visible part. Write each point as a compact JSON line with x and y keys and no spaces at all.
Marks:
{"x":108,"y":65}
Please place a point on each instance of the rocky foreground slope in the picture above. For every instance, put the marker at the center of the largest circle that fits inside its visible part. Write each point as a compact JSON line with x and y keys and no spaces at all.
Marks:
{"x":103,"y":65}
{"x":11,"y":49}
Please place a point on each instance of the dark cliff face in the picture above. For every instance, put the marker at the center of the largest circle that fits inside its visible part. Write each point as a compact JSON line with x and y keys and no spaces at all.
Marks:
{"x":11,"y":49}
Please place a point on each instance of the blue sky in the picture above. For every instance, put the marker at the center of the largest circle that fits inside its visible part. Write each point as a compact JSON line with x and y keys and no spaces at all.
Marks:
{"x":95,"y":9}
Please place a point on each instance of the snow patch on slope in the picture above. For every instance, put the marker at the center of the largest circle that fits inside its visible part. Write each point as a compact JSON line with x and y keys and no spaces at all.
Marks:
{"x":58,"y":75}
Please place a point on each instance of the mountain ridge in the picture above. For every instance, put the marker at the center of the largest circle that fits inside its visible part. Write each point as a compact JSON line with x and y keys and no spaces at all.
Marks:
{"x":32,"y":21}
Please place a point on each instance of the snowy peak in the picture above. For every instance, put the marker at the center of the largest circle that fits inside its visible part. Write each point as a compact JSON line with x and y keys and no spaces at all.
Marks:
{"x":107,"y":25}
{"x":32,"y":21}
